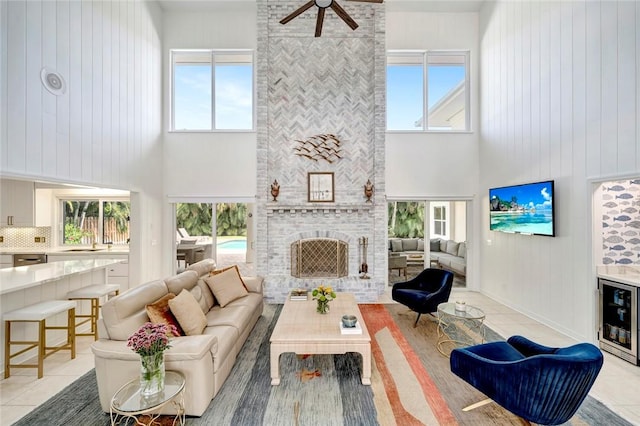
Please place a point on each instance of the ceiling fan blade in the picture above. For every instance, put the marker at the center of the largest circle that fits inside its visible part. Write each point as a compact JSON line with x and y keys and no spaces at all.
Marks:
{"x":319,"y":21}
{"x":343,"y":15}
{"x":368,"y":1}
{"x":297,"y":12}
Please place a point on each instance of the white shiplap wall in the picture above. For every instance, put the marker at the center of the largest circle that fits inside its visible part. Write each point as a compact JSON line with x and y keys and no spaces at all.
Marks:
{"x":106,"y":129}
{"x":560,"y":99}
{"x":108,"y":121}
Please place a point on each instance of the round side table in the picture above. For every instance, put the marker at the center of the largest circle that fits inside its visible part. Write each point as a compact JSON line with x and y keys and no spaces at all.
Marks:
{"x":451,"y":322}
{"x":127,"y":403}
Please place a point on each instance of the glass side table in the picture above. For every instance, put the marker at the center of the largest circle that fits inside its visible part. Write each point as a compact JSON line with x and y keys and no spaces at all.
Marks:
{"x":454,"y":326}
{"x":127,"y":404}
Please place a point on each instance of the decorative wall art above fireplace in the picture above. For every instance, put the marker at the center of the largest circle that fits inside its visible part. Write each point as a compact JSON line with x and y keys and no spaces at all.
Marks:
{"x":320,"y":187}
{"x":319,"y":147}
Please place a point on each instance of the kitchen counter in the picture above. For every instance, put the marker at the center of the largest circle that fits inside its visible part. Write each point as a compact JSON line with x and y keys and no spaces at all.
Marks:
{"x":23,"y":277}
{"x":100,"y":251}
{"x":623,"y":274}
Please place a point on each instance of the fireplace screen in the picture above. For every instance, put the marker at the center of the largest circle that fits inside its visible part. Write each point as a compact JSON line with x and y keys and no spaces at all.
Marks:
{"x":319,"y":258}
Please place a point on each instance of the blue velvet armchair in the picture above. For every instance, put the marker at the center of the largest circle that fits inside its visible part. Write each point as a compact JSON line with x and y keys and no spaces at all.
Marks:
{"x":540,"y":384}
{"x":425,"y":292}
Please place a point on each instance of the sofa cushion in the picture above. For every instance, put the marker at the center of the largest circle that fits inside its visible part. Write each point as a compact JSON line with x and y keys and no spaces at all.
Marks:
{"x":434,"y":244}
{"x":197,"y":294}
{"x":227,"y":336}
{"x":443,"y":245}
{"x":125,"y":314}
{"x":409,"y":244}
{"x":226,"y":286}
{"x":452,"y":247}
{"x":188,"y":313}
{"x":462,"y":250}
{"x":420,"y":244}
{"x":202,"y":267}
{"x":186,"y":279}
{"x":159,"y":313}
{"x":396,"y":245}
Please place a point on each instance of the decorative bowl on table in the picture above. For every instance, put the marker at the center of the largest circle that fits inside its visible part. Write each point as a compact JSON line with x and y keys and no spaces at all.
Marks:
{"x":349,"y":321}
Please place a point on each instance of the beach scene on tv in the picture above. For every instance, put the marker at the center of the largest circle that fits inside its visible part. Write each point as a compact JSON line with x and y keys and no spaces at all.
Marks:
{"x":522,"y":208}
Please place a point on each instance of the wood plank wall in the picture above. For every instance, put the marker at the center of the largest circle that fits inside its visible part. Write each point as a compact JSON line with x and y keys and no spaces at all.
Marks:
{"x":560,"y":99}
{"x":109,"y":119}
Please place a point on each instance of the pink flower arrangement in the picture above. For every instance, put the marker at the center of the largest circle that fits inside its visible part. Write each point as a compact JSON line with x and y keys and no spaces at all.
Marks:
{"x":151,"y":338}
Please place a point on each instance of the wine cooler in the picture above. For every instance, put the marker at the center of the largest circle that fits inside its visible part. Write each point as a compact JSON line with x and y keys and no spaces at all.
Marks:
{"x":618,"y":333}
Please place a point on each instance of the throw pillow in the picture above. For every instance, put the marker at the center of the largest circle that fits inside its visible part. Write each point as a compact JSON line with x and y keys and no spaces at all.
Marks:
{"x":159,"y":313}
{"x":462,"y":250}
{"x":443,"y":245}
{"x":409,"y":244}
{"x":219,"y":271}
{"x":226,"y":286}
{"x":434,"y":244}
{"x":396,"y":245}
{"x":420,"y":245}
{"x":188,"y":313}
{"x":452,"y":247}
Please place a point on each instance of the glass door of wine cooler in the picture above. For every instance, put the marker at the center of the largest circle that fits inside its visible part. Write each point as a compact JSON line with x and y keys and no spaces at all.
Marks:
{"x":618,"y":323}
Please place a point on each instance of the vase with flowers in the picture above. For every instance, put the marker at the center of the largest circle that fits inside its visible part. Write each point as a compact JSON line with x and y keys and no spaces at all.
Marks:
{"x":150,"y":342}
{"x":323,"y":295}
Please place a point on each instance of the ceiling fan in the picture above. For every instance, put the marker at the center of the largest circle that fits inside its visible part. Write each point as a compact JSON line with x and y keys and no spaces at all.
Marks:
{"x":322,"y":6}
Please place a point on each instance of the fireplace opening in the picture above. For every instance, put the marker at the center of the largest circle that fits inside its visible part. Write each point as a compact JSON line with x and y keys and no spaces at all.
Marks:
{"x":319,"y":258}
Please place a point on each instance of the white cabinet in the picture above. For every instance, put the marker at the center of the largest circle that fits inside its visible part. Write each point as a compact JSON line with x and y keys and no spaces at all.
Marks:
{"x":6,"y":261}
{"x":18,"y":201}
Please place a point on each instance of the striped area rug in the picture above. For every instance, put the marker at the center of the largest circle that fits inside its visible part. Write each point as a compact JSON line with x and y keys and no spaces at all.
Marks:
{"x":411,"y":385}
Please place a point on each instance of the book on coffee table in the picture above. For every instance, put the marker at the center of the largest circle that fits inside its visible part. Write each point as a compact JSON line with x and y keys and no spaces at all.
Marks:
{"x":357,"y":329}
{"x":298,"y":294}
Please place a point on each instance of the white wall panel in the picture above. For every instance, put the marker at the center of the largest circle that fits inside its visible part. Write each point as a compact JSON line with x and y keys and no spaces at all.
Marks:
{"x":417,"y":162}
{"x":105,"y":130}
{"x":564,"y":73}
{"x":36,"y":28}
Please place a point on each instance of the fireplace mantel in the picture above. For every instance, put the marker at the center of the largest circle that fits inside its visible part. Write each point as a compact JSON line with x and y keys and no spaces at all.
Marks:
{"x":314,"y":209}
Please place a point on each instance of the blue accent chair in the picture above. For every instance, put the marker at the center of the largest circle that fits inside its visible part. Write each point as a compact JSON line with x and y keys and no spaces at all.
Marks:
{"x":540,"y":384}
{"x":425,"y":292}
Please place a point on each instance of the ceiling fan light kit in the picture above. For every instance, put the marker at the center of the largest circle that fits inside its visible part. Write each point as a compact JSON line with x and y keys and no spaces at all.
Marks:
{"x":322,"y":6}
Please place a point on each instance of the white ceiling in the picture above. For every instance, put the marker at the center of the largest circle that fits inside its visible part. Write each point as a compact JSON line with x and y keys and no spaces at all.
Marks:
{"x":392,"y":5}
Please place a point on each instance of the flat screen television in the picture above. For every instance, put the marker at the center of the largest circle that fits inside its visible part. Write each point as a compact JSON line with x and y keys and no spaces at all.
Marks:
{"x":523,"y":209}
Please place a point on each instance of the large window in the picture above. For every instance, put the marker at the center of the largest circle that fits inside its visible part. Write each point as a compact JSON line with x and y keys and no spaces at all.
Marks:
{"x":435,"y":82}
{"x":99,"y":221}
{"x":212,"y":90}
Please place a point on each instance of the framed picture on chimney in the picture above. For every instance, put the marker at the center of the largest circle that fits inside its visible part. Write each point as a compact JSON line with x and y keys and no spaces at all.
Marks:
{"x":320,"y":187}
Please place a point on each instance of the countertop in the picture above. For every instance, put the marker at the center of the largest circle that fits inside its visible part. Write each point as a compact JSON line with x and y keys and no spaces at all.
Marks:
{"x":13,"y":279}
{"x":623,"y":274}
{"x":101,"y":250}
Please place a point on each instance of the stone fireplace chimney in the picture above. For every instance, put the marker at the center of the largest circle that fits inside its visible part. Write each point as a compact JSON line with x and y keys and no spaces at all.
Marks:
{"x":308,"y":86}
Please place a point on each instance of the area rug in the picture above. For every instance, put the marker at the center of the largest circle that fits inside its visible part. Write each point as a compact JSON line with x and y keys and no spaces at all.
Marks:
{"x":411,"y":385}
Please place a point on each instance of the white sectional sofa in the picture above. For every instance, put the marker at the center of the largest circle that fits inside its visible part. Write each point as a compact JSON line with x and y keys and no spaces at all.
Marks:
{"x":450,"y":255}
{"x":205,"y":359}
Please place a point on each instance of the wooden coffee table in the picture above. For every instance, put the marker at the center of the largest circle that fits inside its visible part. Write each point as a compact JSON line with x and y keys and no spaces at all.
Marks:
{"x":300,"y":329}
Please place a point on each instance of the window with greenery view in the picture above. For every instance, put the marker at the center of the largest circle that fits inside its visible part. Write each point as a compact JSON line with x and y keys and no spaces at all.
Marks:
{"x":212,"y":90}
{"x":99,"y":221}
{"x":431,"y":84}
{"x":196,"y":218}
{"x":406,"y":219}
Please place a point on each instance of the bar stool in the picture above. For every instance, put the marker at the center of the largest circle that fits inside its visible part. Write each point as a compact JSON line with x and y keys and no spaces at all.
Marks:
{"x":92,"y":293}
{"x":39,"y":313}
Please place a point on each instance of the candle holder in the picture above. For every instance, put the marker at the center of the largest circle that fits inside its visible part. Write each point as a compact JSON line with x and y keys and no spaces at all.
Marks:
{"x":275,"y":189}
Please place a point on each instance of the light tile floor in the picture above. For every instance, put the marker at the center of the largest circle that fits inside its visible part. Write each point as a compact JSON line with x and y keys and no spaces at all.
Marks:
{"x":617,"y":386}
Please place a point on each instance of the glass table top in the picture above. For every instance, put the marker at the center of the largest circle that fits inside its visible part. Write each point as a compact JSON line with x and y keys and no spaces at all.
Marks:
{"x":471,"y":312}
{"x":128,"y":399}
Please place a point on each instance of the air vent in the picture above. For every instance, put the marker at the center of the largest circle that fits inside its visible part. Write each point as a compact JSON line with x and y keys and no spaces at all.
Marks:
{"x":53,"y":81}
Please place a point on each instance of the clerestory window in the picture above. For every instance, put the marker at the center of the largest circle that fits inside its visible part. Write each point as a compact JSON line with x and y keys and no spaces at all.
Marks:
{"x":212,"y":90}
{"x":428,"y":91}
